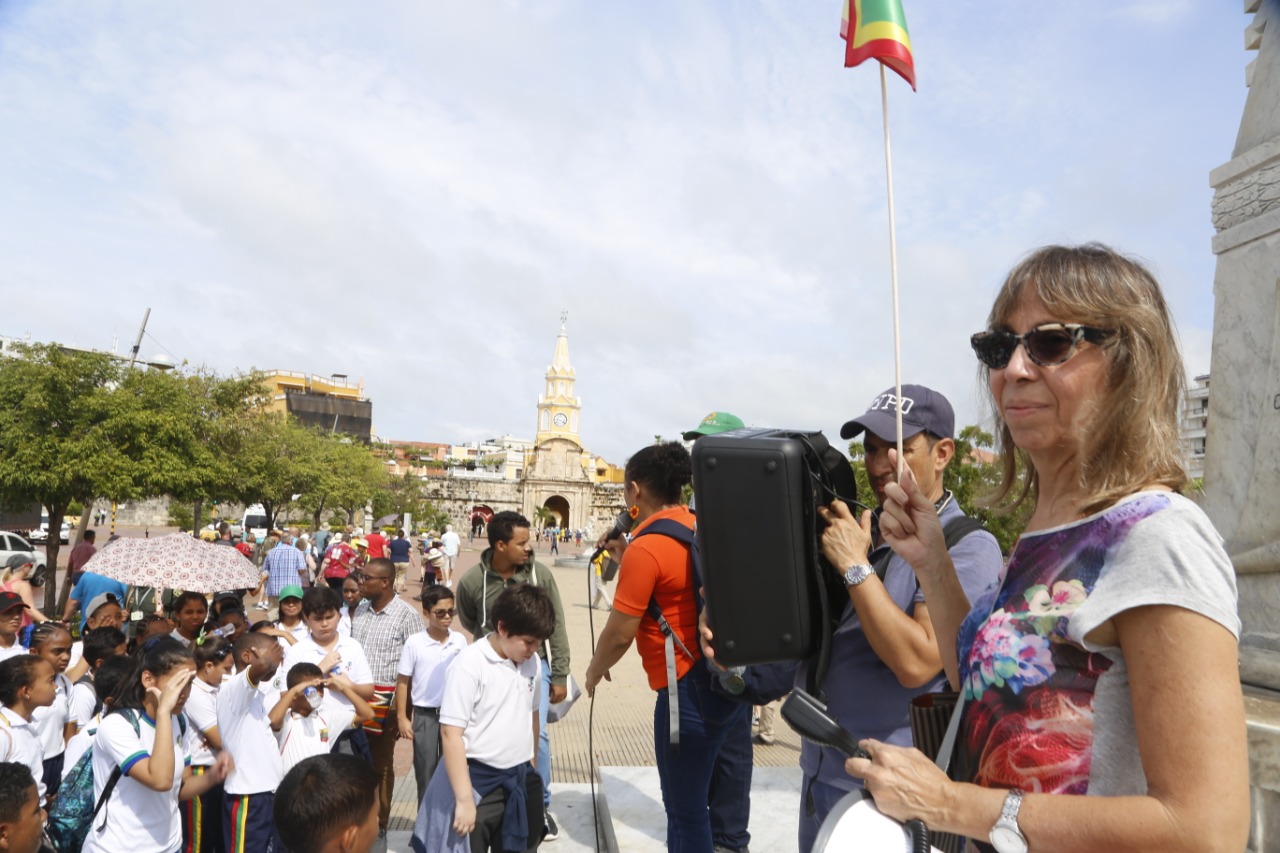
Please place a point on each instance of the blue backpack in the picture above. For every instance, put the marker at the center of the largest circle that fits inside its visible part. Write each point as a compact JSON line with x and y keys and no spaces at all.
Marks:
{"x":74,"y":810}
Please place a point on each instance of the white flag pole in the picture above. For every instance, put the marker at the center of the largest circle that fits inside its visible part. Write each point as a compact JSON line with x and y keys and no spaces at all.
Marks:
{"x":893,"y":265}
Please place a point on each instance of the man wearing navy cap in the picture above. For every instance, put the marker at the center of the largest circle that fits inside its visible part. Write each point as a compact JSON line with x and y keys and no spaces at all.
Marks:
{"x":883,"y":651}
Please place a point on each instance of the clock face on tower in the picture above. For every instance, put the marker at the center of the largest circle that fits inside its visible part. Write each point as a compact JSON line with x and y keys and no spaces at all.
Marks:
{"x":561,"y":419}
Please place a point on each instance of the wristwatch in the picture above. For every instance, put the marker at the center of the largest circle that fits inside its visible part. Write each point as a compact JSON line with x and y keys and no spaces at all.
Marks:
{"x":1005,"y":836}
{"x":857,"y":573}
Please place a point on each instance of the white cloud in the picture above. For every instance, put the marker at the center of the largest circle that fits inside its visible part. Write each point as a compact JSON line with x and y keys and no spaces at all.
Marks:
{"x":412,"y":194}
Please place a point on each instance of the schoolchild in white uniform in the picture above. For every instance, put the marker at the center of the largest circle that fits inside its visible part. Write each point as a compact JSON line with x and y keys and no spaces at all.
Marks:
{"x":304,"y":729}
{"x":26,"y":683}
{"x":325,"y":647}
{"x":142,"y":815}
{"x":291,"y":620}
{"x":108,"y":677}
{"x":244,"y":703}
{"x":12,"y":611}
{"x":202,"y":816}
{"x":487,"y":787}
{"x":420,"y":681}
{"x":51,"y":642}
{"x":98,"y":645}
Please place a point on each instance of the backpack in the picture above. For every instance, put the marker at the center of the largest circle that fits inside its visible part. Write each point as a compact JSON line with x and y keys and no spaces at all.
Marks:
{"x":74,"y":810}
{"x":760,"y":683}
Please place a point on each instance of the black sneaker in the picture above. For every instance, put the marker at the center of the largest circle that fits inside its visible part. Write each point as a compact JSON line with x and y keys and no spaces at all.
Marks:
{"x":553,"y":831}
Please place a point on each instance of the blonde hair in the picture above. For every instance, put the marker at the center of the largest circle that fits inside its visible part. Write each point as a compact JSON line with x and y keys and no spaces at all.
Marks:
{"x":1132,"y":439}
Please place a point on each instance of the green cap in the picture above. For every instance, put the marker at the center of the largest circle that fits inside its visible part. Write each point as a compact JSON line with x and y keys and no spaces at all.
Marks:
{"x":293,"y":591}
{"x":714,"y":423}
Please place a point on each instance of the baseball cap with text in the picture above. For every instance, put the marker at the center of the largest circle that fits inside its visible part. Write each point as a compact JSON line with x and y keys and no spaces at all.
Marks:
{"x":923,"y":410}
{"x":714,"y":423}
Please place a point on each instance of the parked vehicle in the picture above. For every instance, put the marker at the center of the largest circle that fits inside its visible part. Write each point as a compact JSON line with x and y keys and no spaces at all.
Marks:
{"x":12,"y":543}
{"x":41,"y":533}
{"x":255,"y":524}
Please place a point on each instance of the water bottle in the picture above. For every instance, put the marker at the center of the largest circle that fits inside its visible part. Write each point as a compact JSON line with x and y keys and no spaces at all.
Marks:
{"x":337,"y":669}
{"x":313,"y":697}
{"x":224,"y":631}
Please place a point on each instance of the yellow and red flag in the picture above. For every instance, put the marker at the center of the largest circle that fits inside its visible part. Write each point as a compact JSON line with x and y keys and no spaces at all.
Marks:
{"x":877,"y":29}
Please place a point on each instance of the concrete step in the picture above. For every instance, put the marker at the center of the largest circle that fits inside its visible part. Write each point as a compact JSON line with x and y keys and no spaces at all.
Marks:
{"x":571,"y":805}
{"x":633,"y":800}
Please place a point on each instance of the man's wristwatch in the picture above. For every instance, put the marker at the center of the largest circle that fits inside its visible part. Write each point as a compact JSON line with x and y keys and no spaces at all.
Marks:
{"x":1005,"y":836}
{"x":857,"y":573}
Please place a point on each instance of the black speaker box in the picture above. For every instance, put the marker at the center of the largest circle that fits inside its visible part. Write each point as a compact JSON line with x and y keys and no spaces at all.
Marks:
{"x":756,"y":493}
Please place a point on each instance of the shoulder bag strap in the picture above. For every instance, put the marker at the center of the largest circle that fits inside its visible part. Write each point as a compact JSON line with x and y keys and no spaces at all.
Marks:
{"x":116,"y":773}
{"x":680,"y":533}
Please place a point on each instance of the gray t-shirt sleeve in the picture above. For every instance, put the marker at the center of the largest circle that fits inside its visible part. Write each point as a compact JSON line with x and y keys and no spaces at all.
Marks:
{"x":1172,"y":557}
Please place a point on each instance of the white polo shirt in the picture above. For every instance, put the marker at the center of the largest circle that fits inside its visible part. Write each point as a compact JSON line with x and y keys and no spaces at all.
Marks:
{"x":51,"y":721}
{"x":426,"y":661}
{"x":302,"y":737}
{"x":138,"y":819}
{"x":202,"y":715}
{"x":84,"y":698}
{"x":20,"y":743}
{"x":355,"y":665}
{"x":493,"y":701}
{"x":13,"y":651}
{"x":246,"y":734}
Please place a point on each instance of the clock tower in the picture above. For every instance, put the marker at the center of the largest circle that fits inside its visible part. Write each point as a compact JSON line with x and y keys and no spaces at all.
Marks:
{"x":558,"y":406}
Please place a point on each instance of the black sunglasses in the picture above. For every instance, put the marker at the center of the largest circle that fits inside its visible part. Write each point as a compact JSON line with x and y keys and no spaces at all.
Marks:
{"x":440,"y":614}
{"x":1047,"y":345}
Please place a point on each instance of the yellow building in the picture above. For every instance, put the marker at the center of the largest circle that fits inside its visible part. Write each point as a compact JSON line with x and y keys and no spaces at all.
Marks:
{"x":332,"y":404}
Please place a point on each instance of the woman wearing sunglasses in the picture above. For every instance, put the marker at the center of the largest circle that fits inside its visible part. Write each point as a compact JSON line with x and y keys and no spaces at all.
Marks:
{"x":1105,"y":662}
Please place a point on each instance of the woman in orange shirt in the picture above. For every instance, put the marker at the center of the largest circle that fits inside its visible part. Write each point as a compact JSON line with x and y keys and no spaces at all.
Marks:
{"x":659,"y":568}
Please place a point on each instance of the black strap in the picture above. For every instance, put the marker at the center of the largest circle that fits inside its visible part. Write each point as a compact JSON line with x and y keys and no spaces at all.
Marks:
{"x":952,"y":532}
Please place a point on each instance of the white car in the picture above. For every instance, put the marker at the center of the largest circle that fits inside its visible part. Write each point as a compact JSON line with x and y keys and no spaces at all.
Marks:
{"x":41,"y":533}
{"x":12,"y":543}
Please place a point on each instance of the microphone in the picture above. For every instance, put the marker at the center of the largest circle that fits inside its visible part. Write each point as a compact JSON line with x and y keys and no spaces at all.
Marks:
{"x":620,"y":526}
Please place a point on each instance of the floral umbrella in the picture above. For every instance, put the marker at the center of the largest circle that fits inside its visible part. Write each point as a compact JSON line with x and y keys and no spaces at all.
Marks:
{"x":176,"y":561}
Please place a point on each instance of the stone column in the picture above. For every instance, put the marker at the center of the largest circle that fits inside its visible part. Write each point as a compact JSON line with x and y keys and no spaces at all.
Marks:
{"x":1242,"y":443}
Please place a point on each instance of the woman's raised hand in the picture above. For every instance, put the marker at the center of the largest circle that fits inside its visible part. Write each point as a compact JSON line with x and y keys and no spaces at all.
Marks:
{"x":909,"y":523}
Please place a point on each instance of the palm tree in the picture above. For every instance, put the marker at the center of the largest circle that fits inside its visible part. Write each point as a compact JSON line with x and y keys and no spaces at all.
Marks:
{"x":543,"y":517}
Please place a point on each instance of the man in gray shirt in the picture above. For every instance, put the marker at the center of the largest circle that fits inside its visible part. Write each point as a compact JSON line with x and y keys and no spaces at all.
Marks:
{"x":883,"y":651}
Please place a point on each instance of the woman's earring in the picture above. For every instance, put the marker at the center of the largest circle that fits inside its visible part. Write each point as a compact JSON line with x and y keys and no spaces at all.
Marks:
{"x":633,"y":511}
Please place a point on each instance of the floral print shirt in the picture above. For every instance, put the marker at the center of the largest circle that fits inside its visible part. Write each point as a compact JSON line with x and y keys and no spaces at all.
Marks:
{"x":1033,"y":716}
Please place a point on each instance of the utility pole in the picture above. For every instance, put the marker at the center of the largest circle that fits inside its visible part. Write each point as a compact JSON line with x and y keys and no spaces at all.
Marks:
{"x":137,"y":344}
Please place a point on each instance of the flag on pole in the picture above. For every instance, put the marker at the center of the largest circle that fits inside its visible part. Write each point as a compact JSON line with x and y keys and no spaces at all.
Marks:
{"x":877,"y":29}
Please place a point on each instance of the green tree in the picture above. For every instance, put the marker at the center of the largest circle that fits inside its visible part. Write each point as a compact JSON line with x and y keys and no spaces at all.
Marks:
{"x":543,"y":517}
{"x":220,"y":408}
{"x":75,"y":426}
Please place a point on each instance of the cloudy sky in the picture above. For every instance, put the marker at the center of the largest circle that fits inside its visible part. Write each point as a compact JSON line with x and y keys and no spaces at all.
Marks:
{"x":411,"y":192}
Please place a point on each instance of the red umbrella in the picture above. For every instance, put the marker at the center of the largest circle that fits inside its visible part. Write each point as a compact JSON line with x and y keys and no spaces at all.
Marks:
{"x":176,"y":561}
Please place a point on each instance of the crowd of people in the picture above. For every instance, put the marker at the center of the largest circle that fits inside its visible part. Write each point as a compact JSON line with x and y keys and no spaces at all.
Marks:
{"x":187,"y":721}
{"x":1095,"y":663}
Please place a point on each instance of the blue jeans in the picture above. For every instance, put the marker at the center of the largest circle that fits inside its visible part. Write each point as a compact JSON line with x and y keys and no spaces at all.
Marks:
{"x":825,"y":798}
{"x":730,"y":794}
{"x":544,"y":741}
{"x":685,"y":771}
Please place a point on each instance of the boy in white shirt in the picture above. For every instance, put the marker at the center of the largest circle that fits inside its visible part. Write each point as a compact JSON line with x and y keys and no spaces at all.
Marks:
{"x":489,"y":788}
{"x":303,"y":729}
{"x":420,"y":682}
{"x":99,"y":644}
{"x":325,"y":647}
{"x":244,"y":703}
